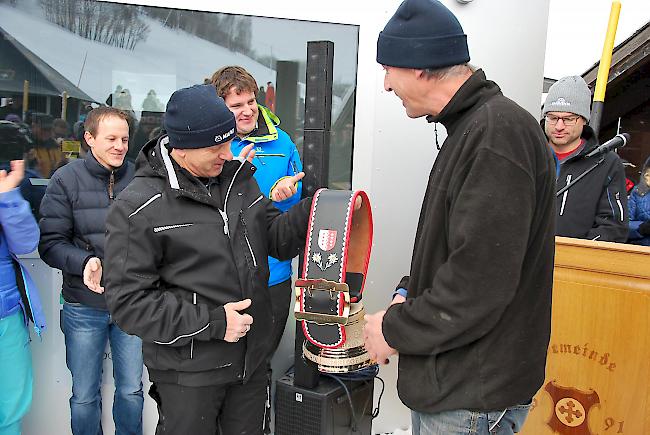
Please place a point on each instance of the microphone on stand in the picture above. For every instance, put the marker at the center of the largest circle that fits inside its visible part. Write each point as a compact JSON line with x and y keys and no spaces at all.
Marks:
{"x":618,"y":141}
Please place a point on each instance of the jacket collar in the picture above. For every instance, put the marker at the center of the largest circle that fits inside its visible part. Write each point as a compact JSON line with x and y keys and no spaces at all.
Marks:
{"x":471,"y":95}
{"x":155,"y":160}
{"x":99,"y":171}
{"x":266,"y":130}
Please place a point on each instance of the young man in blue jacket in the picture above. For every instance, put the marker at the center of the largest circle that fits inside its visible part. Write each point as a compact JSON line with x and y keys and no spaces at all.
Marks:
{"x":278,"y":166}
{"x":18,"y":301}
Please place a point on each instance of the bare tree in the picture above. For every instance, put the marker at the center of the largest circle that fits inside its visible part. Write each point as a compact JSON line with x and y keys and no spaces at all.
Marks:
{"x":242,"y":34}
{"x":226,"y":30}
{"x":108,"y":23}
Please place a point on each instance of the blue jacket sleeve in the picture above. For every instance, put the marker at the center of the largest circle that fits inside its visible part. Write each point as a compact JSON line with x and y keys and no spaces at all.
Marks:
{"x":634,"y":220}
{"x":18,"y":224}
{"x":57,"y":230}
{"x":294,"y":166}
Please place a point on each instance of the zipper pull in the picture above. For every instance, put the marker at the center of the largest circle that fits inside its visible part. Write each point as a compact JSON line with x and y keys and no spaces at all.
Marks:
{"x":620,"y":206}
{"x":111,"y":183}
{"x":225,"y":222}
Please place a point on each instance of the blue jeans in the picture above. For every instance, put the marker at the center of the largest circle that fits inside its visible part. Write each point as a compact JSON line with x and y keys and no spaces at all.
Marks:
{"x":87,"y":331}
{"x":462,"y":422}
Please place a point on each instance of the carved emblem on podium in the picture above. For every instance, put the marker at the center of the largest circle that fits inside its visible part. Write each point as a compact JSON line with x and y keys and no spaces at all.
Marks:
{"x":571,"y":409}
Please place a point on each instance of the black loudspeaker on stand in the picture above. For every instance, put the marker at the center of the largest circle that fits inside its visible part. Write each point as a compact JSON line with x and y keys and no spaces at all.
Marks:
{"x":318,"y":115}
{"x":315,"y":157}
{"x":307,"y":402}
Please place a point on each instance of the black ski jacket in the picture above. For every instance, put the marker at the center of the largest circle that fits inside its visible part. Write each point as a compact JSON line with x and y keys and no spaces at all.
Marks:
{"x":178,"y":251}
{"x":595,"y":207}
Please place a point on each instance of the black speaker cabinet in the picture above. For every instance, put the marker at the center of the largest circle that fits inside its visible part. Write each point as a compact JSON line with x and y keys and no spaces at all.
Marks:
{"x":316,"y":162}
{"x":323,"y":410}
{"x":318,"y":85}
{"x":286,"y":96}
{"x":318,"y":115}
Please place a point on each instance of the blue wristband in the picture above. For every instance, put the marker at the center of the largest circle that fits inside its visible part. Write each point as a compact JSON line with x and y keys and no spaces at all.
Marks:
{"x":400,"y":291}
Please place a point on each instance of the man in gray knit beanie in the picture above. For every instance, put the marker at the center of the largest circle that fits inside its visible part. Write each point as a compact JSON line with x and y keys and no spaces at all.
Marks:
{"x":569,"y":94}
{"x":566,"y":111}
{"x":595,"y":207}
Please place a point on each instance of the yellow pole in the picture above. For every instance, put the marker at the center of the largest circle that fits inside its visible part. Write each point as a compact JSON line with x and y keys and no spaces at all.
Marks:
{"x":25,"y":98}
{"x":603,"y":68}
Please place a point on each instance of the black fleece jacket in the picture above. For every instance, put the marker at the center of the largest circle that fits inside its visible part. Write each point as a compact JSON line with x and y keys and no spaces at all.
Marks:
{"x":474,"y":330}
{"x":173,"y":261}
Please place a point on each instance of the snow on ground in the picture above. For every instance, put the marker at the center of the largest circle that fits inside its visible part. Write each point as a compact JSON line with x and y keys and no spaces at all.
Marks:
{"x":167,"y":60}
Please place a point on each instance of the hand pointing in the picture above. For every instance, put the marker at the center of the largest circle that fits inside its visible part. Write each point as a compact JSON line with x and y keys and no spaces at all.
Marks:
{"x":286,"y":187}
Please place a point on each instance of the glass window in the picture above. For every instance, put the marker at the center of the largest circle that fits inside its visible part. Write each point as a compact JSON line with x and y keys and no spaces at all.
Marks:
{"x":61,"y":58}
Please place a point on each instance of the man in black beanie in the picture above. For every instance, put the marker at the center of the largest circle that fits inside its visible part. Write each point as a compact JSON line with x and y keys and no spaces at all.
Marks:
{"x":471,"y":323}
{"x":187,"y":244}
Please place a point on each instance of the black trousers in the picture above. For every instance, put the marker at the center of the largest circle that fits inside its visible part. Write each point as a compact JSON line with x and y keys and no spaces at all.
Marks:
{"x":234,"y":409}
{"x":280,"y":303}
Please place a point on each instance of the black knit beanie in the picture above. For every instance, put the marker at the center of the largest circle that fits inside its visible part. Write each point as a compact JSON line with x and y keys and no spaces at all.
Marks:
{"x":196,"y":117}
{"x":422,"y":34}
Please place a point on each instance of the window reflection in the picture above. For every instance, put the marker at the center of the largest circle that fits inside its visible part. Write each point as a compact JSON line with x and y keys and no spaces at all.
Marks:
{"x":89,"y":53}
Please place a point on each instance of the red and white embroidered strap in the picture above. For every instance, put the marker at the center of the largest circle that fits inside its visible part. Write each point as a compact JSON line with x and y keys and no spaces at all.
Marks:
{"x":337,"y":253}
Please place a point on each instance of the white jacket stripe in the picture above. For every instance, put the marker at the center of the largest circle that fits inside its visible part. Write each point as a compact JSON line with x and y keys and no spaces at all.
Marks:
{"x":173,"y":180}
{"x":184,"y":336}
{"x":149,"y":201}
{"x":170,"y":227}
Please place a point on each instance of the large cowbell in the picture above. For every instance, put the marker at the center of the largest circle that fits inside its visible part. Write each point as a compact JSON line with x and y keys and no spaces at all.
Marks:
{"x":328,"y":295}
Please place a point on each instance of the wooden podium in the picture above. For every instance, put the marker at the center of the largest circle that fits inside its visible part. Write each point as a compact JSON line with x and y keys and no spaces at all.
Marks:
{"x":598,"y":367}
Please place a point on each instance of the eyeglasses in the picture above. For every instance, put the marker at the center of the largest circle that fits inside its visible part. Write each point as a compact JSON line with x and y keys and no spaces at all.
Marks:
{"x":567,"y":120}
